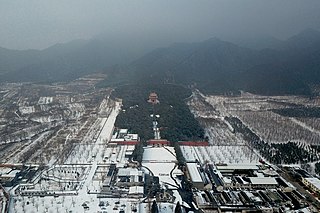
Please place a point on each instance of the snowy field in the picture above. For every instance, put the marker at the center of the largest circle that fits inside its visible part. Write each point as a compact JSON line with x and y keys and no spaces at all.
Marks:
{"x":161,"y":161}
{"x":220,"y":132}
{"x":255,"y":112}
{"x":159,"y":154}
{"x":274,"y":128}
{"x":219,"y":154}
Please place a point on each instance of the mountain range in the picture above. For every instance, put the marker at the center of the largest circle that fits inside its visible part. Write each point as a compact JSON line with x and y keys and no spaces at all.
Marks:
{"x":214,"y":66}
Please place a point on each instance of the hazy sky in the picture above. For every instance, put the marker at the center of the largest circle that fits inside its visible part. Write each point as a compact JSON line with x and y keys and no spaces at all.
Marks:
{"x":40,"y":23}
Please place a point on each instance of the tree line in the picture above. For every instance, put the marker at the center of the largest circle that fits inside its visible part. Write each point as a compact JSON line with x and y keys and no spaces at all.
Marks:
{"x":282,"y":153}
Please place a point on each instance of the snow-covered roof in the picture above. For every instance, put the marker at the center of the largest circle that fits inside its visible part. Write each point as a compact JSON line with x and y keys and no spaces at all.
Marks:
{"x":263,"y":180}
{"x":4,"y":170}
{"x":131,"y":137}
{"x":11,"y":174}
{"x":136,"y":190}
{"x":129,"y":172}
{"x":123,"y":131}
{"x":117,"y":139}
{"x":314,"y":181}
{"x":194,"y":172}
{"x":237,"y":167}
{"x":227,"y":180}
{"x":269,"y":172}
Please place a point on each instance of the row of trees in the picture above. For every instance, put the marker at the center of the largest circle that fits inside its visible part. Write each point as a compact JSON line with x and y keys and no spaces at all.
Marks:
{"x":275,"y":128}
{"x":301,"y":112}
{"x":317,"y":169}
{"x":287,"y":153}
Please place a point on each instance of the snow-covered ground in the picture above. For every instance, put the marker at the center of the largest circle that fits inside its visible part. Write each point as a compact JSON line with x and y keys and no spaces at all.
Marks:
{"x":81,"y":176}
{"x":159,"y":154}
{"x":72,"y":204}
{"x":161,"y":161}
{"x":162,"y":207}
{"x":220,"y":154}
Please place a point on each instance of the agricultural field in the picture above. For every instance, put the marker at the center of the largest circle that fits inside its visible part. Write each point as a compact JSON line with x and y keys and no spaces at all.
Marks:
{"x":220,"y":154}
{"x":274,"y":128}
{"x":283,"y":126}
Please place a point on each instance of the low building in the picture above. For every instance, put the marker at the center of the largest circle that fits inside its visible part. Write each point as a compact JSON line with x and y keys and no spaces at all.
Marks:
{"x":123,"y":137}
{"x":312,"y":183}
{"x":136,"y":191}
{"x":195,"y":176}
{"x":130,"y":177}
{"x":230,"y":168}
{"x":263,"y":182}
{"x":122,"y":133}
{"x":9,"y":176}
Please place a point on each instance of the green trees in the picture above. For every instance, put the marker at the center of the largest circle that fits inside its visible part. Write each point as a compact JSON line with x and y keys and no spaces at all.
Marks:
{"x":137,"y":153}
{"x":154,"y":207}
{"x":301,"y":112}
{"x":176,"y":122}
{"x":317,"y":168}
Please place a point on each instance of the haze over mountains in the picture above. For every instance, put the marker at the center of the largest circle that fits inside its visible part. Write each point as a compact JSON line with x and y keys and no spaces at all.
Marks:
{"x":263,"y":65}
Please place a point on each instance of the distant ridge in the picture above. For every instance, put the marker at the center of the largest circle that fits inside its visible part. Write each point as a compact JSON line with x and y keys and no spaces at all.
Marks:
{"x":215,"y":66}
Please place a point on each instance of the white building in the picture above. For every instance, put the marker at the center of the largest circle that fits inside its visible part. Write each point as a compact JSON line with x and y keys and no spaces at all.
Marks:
{"x":194,"y":175}
{"x":312,"y":183}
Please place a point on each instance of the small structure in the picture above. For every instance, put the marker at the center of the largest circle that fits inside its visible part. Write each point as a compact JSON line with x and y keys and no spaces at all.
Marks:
{"x":123,"y":133}
{"x":8,"y":176}
{"x":123,"y":137}
{"x":153,"y":98}
{"x":195,"y":176}
{"x":136,"y":191}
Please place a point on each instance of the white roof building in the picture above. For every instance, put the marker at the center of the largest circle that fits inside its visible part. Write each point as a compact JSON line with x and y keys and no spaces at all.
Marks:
{"x":263,"y":181}
{"x":313,"y":183}
{"x":135,"y":190}
{"x":195,"y":175}
{"x":123,"y":131}
{"x":233,"y":167}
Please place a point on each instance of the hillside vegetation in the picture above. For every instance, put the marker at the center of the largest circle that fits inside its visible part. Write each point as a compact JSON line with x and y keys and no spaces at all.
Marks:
{"x":176,"y":122}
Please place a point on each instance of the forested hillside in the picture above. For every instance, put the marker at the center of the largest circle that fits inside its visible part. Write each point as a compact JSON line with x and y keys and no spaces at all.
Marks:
{"x":219,"y":67}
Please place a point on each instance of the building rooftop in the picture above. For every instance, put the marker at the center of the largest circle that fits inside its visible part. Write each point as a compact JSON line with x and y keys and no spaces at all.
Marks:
{"x":237,"y":167}
{"x":314,"y":181}
{"x":123,"y":131}
{"x":129,"y":172}
{"x":135,"y":190}
{"x":194,"y":172}
{"x":263,"y":181}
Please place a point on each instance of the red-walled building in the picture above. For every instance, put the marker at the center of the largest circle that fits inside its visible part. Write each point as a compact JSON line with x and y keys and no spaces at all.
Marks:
{"x":193,"y":143}
{"x":156,"y":142}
